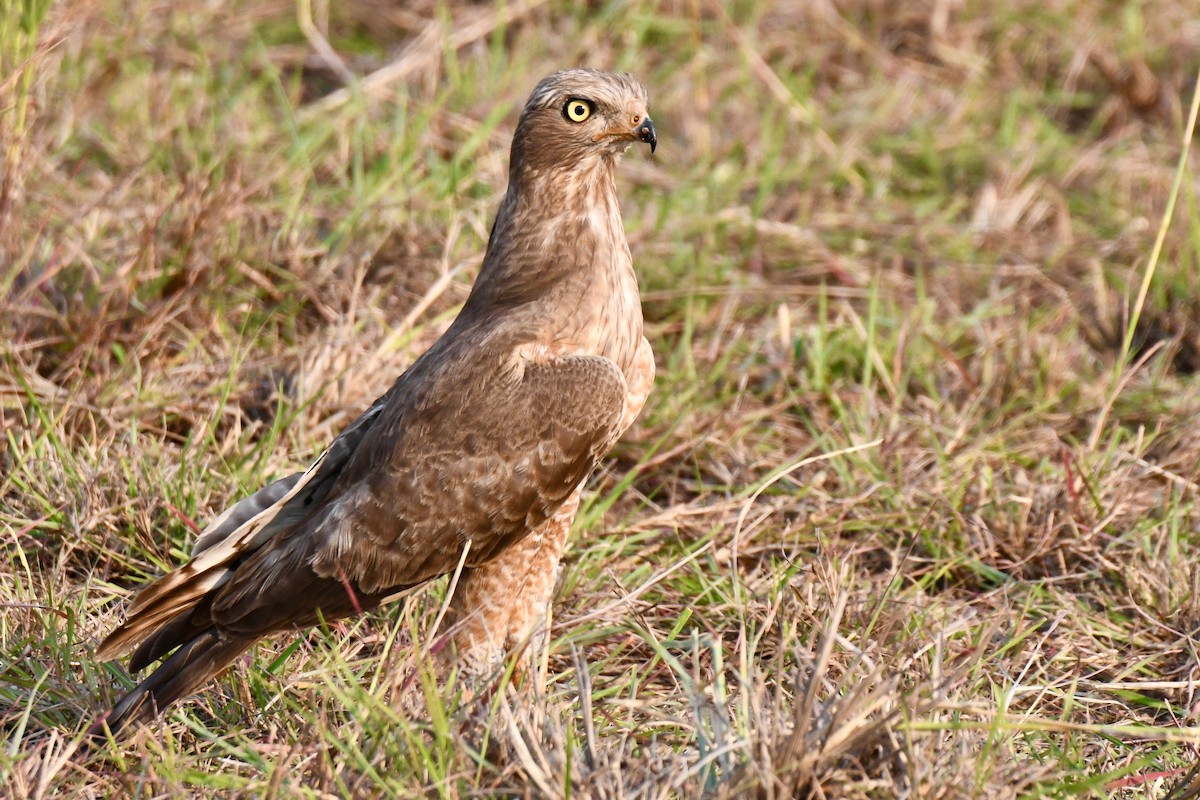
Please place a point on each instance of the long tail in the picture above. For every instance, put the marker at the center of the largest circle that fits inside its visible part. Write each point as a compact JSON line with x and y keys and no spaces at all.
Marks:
{"x":193,"y":664}
{"x":282,"y":591}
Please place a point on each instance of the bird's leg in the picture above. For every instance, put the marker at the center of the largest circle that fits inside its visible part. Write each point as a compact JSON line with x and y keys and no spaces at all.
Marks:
{"x":502,"y":605}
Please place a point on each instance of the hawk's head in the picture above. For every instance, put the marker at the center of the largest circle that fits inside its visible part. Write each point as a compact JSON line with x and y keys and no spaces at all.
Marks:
{"x":579,"y":114}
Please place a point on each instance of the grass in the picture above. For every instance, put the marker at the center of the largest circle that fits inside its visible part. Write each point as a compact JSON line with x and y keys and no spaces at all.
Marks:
{"x":912,"y":511}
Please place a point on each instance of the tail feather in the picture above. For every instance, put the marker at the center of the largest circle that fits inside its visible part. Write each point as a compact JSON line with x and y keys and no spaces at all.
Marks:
{"x":254,"y":540}
{"x":235,"y":533}
{"x":184,"y":628}
{"x":193,"y":664}
{"x":146,"y":619}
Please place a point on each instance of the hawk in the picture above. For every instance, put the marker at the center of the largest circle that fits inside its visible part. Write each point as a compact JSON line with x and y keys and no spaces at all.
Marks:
{"x":476,"y":455}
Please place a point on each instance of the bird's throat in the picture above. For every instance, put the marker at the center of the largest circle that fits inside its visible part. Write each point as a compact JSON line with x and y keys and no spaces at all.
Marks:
{"x":555,"y":231}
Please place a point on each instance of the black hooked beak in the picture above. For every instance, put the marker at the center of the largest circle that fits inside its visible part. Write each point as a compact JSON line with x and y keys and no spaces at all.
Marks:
{"x":645,"y":133}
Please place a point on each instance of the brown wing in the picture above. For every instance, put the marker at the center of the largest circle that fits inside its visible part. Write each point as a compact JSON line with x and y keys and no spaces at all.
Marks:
{"x":480,"y":465}
{"x":241,"y":530}
{"x":290,"y":499}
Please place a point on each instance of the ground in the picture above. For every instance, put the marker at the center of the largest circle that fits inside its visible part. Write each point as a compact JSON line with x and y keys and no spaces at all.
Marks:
{"x":912,"y":510}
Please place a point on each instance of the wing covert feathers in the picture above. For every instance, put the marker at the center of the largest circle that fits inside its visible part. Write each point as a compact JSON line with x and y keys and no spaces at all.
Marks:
{"x":487,"y":475}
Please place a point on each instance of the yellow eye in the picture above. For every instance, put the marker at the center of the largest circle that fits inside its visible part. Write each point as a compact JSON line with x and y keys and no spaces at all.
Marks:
{"x":577,"y":110}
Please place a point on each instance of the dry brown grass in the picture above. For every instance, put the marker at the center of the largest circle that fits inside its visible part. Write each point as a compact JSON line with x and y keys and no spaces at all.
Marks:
{"x":897,"y":522}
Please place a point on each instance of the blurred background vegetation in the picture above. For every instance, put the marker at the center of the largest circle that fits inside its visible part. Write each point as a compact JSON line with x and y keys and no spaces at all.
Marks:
{"x":911,"y":513}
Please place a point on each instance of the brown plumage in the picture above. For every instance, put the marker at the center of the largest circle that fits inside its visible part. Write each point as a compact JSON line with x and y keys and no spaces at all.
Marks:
{"x":483,"y":444}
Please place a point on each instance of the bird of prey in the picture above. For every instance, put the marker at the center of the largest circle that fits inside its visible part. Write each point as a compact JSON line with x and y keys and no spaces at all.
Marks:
{"x":477,"y":454}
